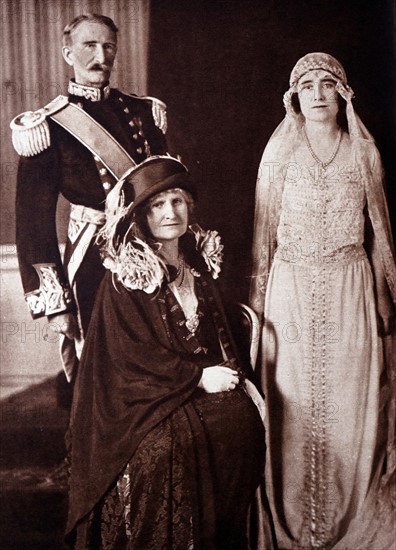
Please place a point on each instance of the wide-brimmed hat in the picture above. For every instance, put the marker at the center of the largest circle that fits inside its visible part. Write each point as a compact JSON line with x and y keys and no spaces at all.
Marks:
{"x":152,"y":176}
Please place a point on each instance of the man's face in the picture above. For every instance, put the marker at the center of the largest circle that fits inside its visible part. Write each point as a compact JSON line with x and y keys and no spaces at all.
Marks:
{"x":91,"y":53}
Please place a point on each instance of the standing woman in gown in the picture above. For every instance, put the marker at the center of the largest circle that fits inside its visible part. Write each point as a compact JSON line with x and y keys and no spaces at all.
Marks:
{"x":167,"y":441}
{"x":324,"y":285}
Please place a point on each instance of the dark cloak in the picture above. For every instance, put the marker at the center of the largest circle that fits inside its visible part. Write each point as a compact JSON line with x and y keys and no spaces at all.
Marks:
{"x":133,"y":374}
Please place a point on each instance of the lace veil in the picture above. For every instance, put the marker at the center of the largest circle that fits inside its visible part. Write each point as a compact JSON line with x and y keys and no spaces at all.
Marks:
{"x":276,"y":164}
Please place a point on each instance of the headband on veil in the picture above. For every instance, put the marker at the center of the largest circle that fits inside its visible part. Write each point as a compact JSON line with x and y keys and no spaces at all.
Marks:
{"x":323,"y":61}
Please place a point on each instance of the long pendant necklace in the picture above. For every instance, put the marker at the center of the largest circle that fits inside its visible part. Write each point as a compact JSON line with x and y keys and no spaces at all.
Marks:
{"x":323,"y":164}
{"x":181,"y":271}
{"x":192,"y":323}
{"x":186,"y":294}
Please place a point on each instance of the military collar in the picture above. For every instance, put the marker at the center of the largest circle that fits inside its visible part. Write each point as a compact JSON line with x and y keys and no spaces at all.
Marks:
{"x":88,"y":92}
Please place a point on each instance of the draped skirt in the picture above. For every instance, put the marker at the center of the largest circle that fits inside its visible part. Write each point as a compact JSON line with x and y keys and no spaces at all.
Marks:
{"x":189,"y":484}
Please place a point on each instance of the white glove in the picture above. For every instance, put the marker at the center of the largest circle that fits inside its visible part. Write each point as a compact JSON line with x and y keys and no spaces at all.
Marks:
{"x":218,"y":378}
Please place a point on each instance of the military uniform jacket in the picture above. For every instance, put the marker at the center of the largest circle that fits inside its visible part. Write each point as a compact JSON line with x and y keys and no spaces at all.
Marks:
{"x":66,"y":166}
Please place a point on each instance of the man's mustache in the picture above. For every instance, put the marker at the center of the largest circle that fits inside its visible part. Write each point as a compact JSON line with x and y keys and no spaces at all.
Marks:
{"x":99,"y":67}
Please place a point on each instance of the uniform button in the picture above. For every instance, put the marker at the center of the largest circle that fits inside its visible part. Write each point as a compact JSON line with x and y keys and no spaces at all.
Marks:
{"x":139,"y":150}
{"x":106,"y":185}
{"x":135,"y":136}
{"x":126,"y":110}
{"x":96,"y":158}
{"x":120,"y":99}
{"x":140,"y":133}
{"x":103,"y":171}
{"x":131,"y":123}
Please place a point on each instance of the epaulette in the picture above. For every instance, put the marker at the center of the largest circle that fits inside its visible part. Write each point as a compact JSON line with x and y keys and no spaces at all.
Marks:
{"x":30,"y":130}
{"x":158,"y":109}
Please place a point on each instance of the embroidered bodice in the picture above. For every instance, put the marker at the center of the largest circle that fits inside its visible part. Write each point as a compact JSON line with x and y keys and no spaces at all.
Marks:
{"x":322,"y":214}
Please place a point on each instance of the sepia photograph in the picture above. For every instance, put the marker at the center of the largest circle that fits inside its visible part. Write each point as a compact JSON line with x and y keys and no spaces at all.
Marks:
{"x":198,"y":277}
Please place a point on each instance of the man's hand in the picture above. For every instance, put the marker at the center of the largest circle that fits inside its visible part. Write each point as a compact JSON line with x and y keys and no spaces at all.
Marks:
{"x":218,"y":378}
{"x":65,"y":323}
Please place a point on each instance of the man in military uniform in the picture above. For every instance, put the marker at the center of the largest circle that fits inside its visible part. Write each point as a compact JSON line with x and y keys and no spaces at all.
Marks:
{"x":77,"y":146}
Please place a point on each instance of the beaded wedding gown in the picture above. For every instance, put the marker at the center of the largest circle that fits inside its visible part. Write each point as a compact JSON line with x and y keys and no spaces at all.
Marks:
{"x":322,"y":356}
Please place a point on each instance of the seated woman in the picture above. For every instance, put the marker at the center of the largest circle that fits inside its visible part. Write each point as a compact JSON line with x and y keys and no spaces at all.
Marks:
{"x":167,"y":443}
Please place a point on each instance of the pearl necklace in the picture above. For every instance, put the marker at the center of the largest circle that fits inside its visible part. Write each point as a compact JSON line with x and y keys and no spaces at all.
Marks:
{"x":323,"y":164}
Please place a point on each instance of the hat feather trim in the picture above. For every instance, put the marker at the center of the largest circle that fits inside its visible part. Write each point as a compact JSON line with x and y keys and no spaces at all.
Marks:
{"x":136,"y":266}
{"x":115,"y":213}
